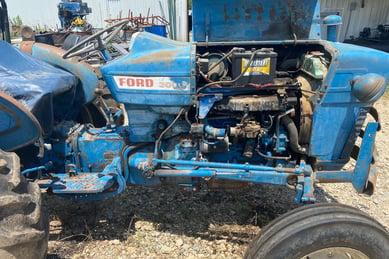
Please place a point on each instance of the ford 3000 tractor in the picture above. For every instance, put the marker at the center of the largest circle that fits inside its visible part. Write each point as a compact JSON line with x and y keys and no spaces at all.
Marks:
{"x":256,"y":97}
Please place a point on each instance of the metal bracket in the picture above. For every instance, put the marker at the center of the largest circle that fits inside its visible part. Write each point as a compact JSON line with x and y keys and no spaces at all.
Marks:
{"x":365,"y":158}
{"x":304,"y":188}
{"x":206,"y":103}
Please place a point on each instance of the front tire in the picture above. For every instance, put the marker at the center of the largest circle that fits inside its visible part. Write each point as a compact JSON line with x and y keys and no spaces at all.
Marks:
{"x":319,"y":231}
{"x":23,"y":227}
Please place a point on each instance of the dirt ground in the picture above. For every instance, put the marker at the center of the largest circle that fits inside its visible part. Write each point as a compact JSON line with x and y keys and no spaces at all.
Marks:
{"x":167,"y":223}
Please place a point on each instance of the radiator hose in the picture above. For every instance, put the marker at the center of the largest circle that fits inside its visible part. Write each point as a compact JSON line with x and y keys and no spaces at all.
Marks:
{"x":293,"y":135}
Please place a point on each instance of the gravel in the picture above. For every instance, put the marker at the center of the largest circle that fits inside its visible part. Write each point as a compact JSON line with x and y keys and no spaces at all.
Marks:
{"x":164,"y":222}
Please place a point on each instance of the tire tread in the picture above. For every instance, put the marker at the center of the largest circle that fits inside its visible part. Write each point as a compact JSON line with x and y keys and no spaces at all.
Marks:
{"x":23,"y":228}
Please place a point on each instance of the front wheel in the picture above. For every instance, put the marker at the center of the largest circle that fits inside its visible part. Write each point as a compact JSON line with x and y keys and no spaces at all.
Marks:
{"x":23,"y":226}
{"x":321,"y":231}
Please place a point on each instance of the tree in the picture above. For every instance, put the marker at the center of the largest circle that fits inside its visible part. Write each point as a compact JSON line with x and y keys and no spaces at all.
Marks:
{"x":17,"y":21}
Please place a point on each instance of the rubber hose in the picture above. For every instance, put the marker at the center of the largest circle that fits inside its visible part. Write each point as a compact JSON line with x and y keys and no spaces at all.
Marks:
{"x":293,"y":135}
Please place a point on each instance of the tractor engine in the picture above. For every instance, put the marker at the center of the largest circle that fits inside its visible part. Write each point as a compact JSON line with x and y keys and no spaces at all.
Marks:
{"x":229,"y":104}
{"x":246,"y":108}
{"x":257,"y":123}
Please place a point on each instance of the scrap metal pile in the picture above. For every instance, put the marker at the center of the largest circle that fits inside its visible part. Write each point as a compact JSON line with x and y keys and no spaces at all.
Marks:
{"x":150,"y":23}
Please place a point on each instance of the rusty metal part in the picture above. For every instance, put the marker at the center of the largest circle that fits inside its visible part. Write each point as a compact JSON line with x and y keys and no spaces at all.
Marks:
{"x":26,"y":46}
{"x":250,"y":129}
{"x":252,"y":103}
{"x":27,"y":33}
{"x":140,"y":21}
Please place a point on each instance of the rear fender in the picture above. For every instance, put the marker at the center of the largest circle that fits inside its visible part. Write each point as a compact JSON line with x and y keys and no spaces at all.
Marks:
{"x":18,"y":126}
{"x":88,"y":75}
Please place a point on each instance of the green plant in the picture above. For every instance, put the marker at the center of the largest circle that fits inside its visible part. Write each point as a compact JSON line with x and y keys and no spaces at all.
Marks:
{"x":17,"y":21}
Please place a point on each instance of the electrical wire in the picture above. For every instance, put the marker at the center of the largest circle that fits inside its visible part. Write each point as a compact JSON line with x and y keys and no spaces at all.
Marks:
{"x":223,"y":58}
{"x":273,"y":157}
{"x":187,"y":118}
{"x":234,"y":80}
{"x":158,"y":141}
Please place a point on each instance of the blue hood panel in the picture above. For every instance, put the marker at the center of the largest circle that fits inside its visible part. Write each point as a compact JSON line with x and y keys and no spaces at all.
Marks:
{"x":255,"y":20}
{"x":157,"y":71}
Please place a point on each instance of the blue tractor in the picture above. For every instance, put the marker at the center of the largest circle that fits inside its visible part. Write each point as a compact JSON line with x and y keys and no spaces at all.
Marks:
{"x":72,"y":13}
{"x":257,"y":97}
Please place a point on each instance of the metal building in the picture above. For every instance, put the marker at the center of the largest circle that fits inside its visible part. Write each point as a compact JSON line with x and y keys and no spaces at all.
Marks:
{"x":356,"y":15}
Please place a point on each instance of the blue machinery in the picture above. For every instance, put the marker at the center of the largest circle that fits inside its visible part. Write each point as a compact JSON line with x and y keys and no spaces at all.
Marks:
{"x":272,"y":103}
{"x":70,"y":10}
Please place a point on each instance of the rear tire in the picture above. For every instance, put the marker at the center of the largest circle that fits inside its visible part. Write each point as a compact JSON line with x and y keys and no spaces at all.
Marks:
{"x":321,"y":230}
{"x":23,"y":227}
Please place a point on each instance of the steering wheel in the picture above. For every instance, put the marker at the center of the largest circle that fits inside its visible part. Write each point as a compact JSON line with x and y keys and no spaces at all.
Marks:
{"x":95,"y":41}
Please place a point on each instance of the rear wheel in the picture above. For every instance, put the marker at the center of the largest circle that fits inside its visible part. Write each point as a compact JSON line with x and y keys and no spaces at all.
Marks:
{"x":23,"y":226}
{"x":321,"y":231}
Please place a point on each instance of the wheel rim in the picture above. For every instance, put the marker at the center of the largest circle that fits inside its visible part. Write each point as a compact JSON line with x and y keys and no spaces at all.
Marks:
{"x":336,"y":252}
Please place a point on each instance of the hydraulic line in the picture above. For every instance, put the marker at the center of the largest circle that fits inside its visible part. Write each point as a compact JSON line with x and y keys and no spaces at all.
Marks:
{"x":158,"y":141}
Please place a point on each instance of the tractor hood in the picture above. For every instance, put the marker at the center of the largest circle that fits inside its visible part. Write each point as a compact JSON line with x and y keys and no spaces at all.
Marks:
{"x":255,"y":20}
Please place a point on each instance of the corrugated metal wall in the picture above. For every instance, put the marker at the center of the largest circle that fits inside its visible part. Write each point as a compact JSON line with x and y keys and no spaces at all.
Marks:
{"x":35,"y":13}
{"x":357,"y":14}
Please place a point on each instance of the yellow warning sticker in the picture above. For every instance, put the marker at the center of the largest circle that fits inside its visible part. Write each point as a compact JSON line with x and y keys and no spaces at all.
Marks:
{"x":257,"y":67}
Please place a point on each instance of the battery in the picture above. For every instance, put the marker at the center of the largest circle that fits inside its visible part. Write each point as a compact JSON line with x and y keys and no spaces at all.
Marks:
{"x":262,"y":69}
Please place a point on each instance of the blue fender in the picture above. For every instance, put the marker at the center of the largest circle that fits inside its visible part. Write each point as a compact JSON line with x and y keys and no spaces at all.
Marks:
{"x":88,"y":75}
{"x":18,"y":126}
